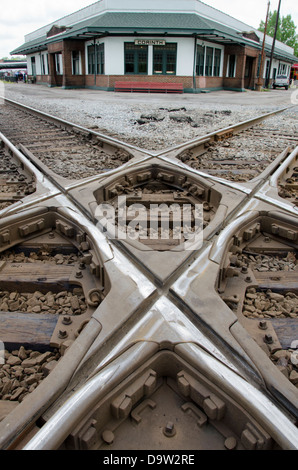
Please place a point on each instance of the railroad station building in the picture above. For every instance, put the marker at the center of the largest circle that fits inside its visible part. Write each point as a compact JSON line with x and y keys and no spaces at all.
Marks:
{"x":175,"y":41}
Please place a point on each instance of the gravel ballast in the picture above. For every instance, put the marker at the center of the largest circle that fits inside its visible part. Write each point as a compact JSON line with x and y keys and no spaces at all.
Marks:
{"x":156,"y":122}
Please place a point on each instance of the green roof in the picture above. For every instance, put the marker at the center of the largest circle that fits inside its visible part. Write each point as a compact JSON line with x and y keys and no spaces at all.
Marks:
{"x":280,"y":54}
{"x":136,"y":21}
{"x":179,"y":23}
{"x":31,"y":46}
{"x":184,"y":24}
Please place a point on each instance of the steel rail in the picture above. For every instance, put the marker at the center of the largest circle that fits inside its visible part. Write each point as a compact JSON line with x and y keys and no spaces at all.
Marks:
{"x":273,"y":181}
{"x":236,"y":128}
{"x":148,"y":154}
{"x":162,"y":155}
{"x":215,"y":248}
{"x":219,"y":247}
{"x":49,"y":390}
{"x":71,"y":126}
{"x":43,"y":183}
{"x":248,"y":214}
{"x":123,"y":145}
{"x":264,"y":192}
{"x":58,"y":427}
{"x":31,"y":168}
{"x":20,"y":420}
{"x":284,"y":205}
{"x":264,"y":410}
{"x":55,"y":431}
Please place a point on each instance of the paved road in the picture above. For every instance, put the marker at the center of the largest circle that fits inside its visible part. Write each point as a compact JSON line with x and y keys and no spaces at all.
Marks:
{"x":271,"y":98}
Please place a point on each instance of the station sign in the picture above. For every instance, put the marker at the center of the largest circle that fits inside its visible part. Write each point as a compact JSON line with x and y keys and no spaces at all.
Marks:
{"x":150,"y":42}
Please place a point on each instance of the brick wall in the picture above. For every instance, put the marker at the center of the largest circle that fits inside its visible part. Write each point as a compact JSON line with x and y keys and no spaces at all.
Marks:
{"x":241,"y":53}
{"x":55,"y":80}
{"x":102,"y":81}
{"x":70,"y":80}
{"x":67,"y":79}
{"x":43,"y":79}
{"x":55,"y":47}
{"x":236,"y":82}
{"x":253,"y":54}
{"x":108,"y":81}
{"x":209,"y":82}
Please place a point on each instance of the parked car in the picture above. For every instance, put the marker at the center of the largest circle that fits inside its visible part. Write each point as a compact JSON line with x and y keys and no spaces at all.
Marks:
{"x":281,"y":81}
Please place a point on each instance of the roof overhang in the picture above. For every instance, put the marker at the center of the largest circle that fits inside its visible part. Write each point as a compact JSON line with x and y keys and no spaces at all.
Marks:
{"x":146,"y":25}
{"x":90,"y":33}
{"x":30,"y":48}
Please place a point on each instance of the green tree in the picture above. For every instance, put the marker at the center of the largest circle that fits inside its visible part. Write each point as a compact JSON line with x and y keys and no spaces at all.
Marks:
{"x":286,"y":30}
{"x":19,"y":58}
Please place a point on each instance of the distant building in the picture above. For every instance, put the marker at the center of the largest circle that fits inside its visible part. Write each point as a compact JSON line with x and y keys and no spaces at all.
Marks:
{"x":183,"y":41}
{"x":12,"y":68}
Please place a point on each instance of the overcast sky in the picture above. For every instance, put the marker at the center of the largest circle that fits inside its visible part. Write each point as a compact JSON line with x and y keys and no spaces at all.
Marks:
{"x":20,"y":17}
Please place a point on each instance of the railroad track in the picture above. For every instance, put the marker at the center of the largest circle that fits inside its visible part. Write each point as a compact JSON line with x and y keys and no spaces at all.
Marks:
{"x":15,"y":183}
{"x":66,"y":149}
{"x":108,"y":338}
{"x":239,"y":153}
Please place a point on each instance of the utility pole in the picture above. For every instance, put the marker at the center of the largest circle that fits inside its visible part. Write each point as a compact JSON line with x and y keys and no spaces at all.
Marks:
{"x":273,"y":44}
{"x":260,"y":78}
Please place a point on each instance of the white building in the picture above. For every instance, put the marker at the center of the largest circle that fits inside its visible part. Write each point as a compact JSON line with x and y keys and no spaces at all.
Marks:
{"x":175,"y":41}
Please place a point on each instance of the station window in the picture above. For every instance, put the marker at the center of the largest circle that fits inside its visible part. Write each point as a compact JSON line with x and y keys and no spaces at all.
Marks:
{"x":33,"y":66}
{"x":96,"y":59}
{"x":100,"y":59}
{"x":135,"y":59}
{"x":43,"y":69}
{"x":76,"y":63}
{"x":200,"y":60}
{"x":282,"y":69}
{"x":248,"y":66}
{"x":58,"y":63}
{"x":232,"y":66}
{"x":208,"y":61}
{"x":216,"y":62}
{"x":164,"y":59}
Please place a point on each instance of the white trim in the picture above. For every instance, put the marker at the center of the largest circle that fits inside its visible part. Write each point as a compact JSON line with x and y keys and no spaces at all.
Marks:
{"x":150,"y":60}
